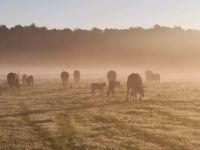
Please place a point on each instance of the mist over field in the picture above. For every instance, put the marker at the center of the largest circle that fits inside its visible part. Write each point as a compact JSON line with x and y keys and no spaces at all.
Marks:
{"x":38,"y":49}
{"x":99,"y":75}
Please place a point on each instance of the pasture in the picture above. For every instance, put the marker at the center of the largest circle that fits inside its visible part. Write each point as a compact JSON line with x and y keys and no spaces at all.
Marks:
{"x":52,"y":117}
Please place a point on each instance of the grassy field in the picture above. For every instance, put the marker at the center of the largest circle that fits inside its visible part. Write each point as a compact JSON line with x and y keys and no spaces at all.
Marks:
{"x":52,"y":117}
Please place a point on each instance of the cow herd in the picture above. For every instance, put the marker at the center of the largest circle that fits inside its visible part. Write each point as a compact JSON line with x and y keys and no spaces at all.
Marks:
{"x":13,"y":80}
{"x":27,"y":80}
{"x":134,"y":82}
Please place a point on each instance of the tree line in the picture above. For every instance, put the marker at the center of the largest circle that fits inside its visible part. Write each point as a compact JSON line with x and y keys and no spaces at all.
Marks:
{"x":158,"y":45}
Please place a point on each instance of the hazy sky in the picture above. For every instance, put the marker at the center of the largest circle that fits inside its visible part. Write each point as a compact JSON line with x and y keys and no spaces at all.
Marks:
{"x":100,"y":13}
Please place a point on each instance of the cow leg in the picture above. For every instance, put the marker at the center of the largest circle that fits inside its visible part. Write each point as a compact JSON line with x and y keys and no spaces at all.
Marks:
{"x":101,"y":92}
{"x":108,"y":92}
{"x":113,"y":93}
{"x":67,"y":84}
{"x":127,"y":93}
{"x":92,"y":91}
{"x":133,"y":95}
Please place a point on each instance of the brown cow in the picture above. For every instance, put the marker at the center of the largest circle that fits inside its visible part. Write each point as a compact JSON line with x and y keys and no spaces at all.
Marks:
{"x":13,"y":80}
{"x":24,"y":78}
{"x":65,"y":77}
{"x":134,"y":83}
{"x":76,"y":76}
{"x":112,"y":77}
{"x":29,"y":81}
{"x":149,"y":75}
{"x":97,"y":86}
{"x":157,"y":78}
{"x":152,"y":77}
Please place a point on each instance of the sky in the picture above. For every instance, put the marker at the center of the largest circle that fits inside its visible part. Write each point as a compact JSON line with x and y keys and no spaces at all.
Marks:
{"x":87,"y":14}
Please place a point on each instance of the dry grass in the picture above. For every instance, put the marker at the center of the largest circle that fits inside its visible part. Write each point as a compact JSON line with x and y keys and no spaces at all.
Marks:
{"x":51,"y":117}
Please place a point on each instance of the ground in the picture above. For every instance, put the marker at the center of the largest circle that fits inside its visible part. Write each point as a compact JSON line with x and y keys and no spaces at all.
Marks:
{"x":52,"y":117}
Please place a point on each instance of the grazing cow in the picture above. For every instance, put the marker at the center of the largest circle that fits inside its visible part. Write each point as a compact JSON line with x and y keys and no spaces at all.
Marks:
{"x":24,"y":78}
{"x":152,"y":77}
{"x":112,"y":77}
{"x":65,"y":77}
{"x":13,"y":80}
{"x":134,"y":83}
{"x":156,"y":78}
{"x":149,"y":75}
{"x":97,"y":86}
{"x":29,"y":81}
{"x":76,"y":76}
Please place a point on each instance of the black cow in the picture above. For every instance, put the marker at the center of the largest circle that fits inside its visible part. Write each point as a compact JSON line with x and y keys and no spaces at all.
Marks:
{"x":65,"y":77}
{"x":134,"y":83}
{"x":13,"y":80}
{"x":29,"y":81}
{"x":76,"y":76}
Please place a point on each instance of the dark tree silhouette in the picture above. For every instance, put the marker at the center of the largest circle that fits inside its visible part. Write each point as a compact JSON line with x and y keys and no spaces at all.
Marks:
{"x":158,"y":45}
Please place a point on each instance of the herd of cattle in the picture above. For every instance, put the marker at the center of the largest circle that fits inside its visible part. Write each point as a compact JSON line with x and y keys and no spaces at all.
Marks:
{"x":134,"y":82}
{"x":14,"y":80}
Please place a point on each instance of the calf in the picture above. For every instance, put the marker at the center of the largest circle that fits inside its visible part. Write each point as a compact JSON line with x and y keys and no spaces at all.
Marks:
{"x":97,"y":86}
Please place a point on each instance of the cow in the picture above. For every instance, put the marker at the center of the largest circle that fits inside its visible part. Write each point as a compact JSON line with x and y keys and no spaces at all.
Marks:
{"x":134,"y":83}
{"x":29,"y":81}
{"x":112,"y":77}
{"x":152,"y":77}
{"x":76,"y":76}
{"x":13,"y":80}
{"x":149,"y":75}
{"x":97,"y":86}
{"x":65,"y":77}
{"x":157,"y":78}
{"x":24,"y":78}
